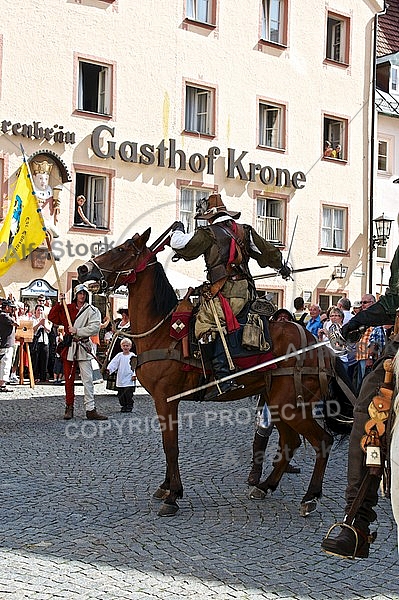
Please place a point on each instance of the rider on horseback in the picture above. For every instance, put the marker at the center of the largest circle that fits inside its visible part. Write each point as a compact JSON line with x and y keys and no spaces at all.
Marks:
{"x":227,"y":247}
{"x":359,"y":512}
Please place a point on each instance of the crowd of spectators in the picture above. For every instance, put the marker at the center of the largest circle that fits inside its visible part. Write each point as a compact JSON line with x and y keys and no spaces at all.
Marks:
{"x":44,"y":339}
{"x":358,"y":359}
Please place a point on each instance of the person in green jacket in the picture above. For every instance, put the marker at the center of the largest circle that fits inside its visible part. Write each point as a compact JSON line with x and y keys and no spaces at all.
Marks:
{"x":227,"y":247}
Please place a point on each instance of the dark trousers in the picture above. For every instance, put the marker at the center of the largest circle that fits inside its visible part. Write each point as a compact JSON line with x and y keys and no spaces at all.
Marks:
{"x":356,"y":458}
{"x":40,"y":360}
{"x":125,"y":396}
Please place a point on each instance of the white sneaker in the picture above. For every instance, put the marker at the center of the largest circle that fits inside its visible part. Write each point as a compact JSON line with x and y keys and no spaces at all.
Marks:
{"x":14,"y":379}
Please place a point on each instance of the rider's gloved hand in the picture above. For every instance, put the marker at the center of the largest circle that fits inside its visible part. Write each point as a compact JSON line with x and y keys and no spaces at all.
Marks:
{"x":352,"y":332}
{"x":285,"y":272}
{"x":178,"y":226}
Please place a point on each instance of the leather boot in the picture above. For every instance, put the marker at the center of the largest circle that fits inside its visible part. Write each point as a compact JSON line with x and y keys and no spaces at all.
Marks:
{"x":93,"y":415}
{"x":373,"y":316}
{"x":220,"y":370}
{"x":344,"y":545}
{"x":258,"y":455}
{"x":68,"y":412}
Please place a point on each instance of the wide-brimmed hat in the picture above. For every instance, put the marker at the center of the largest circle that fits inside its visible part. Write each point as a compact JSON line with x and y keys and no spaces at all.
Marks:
{"x":357,"y":304}
{"x":214,"y":207}
{"x":281,"y":311}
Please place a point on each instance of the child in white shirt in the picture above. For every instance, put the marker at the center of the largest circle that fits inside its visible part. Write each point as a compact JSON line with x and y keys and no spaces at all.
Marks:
{"x":125,"y":376}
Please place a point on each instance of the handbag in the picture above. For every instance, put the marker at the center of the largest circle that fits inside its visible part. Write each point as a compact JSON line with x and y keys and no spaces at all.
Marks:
{"x":111,"y":382}
{"x":253,"y":337}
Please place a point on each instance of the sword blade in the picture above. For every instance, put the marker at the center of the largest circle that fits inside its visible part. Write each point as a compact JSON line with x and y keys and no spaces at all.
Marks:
{"x":292,"y":272}
{"x":249,"y":370}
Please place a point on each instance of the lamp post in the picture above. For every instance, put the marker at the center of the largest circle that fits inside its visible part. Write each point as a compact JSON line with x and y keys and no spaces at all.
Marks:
{"x":383,"y":231}
{"x":382,"y":226}
{"x":340,"y":272}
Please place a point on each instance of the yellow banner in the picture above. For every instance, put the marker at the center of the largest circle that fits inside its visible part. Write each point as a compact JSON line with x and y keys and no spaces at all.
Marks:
{"x":23,"y":228}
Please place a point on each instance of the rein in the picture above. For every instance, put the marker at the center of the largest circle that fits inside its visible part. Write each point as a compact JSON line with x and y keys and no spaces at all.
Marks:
{"x":130,"y":277}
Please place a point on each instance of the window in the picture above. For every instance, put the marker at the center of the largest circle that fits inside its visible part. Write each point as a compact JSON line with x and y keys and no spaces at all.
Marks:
{"x":385,"y":153}
{"x":335,"y":133}
{"x":95,"y":209}
{"x":333,"y":233}
{"x":273,"y":21}
{"x":201,"y":10}
{"x":271,"y":125}
{"x":95,"y":83}
{"x":382,"y":155}
{"x":275,"y":296}
{"x":394,"y":80}
{"x":199,"y":110}
{"x":327,"y":300}
{"x":188,"y":207}
{"x":270,"y":219}
{"x":337,"y":38}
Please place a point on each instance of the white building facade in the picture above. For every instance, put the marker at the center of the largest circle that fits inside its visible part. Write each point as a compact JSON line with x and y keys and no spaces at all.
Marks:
{"x":144,"y":108}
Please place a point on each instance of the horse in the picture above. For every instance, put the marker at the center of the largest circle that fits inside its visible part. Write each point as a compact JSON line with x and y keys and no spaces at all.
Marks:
{"x":291,"y":389}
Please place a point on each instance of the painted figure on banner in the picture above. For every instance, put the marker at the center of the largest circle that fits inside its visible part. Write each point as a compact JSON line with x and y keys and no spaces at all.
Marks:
{"x":45,"y":196}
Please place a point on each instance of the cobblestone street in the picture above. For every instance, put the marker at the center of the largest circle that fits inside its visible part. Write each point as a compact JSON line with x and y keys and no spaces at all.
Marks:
{"x":77,"y":518}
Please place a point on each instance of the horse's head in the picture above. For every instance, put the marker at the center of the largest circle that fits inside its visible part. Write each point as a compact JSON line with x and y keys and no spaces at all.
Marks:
{"x":119,"y":265}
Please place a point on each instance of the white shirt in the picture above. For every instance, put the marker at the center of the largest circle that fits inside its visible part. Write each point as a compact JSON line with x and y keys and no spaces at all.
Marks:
{"x":121,"y":364}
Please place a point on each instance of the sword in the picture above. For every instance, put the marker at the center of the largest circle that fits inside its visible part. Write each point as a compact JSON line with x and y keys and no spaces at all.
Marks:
{"x":293,"y":271}
{"x":273,"y":361}
{"x":221,"y":333}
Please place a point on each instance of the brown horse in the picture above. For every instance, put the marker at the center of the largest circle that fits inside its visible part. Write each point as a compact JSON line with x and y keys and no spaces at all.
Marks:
{"x":160,"y":369}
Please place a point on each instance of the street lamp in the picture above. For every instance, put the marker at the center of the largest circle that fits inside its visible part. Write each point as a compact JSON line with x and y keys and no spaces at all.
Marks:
{"x":383,"y":231}
{"x":340,"y":272}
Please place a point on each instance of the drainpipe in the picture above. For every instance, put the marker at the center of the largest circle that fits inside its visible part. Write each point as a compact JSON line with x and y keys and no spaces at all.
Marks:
{"x":372,"y":142}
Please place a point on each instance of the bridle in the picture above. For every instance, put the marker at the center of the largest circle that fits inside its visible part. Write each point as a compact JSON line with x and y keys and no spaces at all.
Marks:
{"x":130,"y":276}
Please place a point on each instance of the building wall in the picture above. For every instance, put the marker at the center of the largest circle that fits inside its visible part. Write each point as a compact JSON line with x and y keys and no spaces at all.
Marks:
{"x":154,"y":51}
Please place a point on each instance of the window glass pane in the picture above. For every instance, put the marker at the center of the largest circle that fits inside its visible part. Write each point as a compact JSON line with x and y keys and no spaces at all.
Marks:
{"x":335,"y":39}
{"x":94,"y":189}
{"x":269,"y":221}
{"x":188,"y":204}
{"x":270,"y":126}
{"x":326,"y":233}
{"x":382,"y":156}
{"x":334,"y":133}
{"x":275,"y":18}
{"x":333,"y":228}
{"x":202,"y":10}
{"x":272,"y":17}
{"x":197,"y":110}
{"x":191,"y":9}
{"x":394,"y":79}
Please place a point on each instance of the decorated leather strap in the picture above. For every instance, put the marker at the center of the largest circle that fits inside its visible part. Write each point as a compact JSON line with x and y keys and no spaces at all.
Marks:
{"x":378,"y":410}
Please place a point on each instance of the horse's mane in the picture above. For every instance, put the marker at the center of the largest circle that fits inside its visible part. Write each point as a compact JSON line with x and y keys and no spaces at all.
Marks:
{"x":164,"y":297}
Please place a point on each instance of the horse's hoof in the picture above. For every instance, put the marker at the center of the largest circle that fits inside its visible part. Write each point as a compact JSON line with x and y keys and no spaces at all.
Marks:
{"x":160,"y":494}
{"x":168,"y":510}
{"x":256,"y":494}
{"x":308,"y":507}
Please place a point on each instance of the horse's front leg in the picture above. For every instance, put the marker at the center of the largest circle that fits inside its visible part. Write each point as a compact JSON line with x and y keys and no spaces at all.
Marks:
{"x":171,"y":489}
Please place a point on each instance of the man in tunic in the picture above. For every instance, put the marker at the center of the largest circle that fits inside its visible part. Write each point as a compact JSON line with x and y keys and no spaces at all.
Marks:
{"x":86,"y":321}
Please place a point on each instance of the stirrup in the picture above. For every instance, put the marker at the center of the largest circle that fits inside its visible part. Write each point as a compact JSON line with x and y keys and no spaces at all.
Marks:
{"x":353,"y":529}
